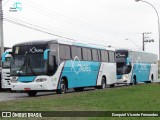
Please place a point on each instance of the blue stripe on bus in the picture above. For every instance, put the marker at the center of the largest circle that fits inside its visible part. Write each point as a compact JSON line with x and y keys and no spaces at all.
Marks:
{"x":26,"y":78}
{"x":142,"y":72}
{"x":80,"y":73}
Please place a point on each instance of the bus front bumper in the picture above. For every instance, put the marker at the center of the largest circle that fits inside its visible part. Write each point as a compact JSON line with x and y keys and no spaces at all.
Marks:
{"x":123,"y":80}
{"x":31,"y":86}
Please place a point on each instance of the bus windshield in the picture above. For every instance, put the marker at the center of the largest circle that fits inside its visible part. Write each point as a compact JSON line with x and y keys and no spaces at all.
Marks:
{"x":32,"y":64}
{"x":121,"y":60}
{"x":28,"y":61}
{"x":7,"y":63}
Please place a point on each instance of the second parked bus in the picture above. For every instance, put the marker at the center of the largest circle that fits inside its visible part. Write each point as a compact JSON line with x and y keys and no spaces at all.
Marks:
{"x":136,"y":66}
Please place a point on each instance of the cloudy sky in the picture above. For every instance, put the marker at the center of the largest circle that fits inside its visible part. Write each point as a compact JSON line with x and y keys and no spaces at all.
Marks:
{"x":101,"y":22}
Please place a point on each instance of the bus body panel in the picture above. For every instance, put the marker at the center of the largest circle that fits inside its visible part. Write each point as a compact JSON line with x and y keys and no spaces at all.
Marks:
{"x":50,"y":84}
{"x":80,"y":73}
{"x":141,"y":71}
{"x":109,"y":71}
{"x":154,"y":72}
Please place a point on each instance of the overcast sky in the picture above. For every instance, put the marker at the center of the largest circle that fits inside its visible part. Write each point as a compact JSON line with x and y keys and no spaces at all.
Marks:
{"x":103,"y":22}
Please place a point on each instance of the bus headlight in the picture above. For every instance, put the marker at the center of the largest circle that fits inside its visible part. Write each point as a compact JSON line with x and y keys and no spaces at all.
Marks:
{"x":125,"y":77}
{"x":41,"y":80}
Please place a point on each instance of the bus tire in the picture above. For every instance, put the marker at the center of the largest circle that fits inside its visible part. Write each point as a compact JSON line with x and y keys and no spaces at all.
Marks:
{"x":63,"y":87}
{"x":79,"y":89}
{"x":32,"y":93}
{"x":134,"y":81}
{"x":103,"y":83}
{"x":152,"y":78}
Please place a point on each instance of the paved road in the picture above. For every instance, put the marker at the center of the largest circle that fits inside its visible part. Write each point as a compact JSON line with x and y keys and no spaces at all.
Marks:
{"x":5,"y":96}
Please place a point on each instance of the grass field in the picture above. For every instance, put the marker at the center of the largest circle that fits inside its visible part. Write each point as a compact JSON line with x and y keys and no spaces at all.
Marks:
{"x":143,"y":97}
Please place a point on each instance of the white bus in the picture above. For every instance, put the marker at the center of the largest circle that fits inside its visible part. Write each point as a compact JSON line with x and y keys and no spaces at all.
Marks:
{"x":52,"y":65}
{"x":136,"y":66}
{"x":6,"y":60}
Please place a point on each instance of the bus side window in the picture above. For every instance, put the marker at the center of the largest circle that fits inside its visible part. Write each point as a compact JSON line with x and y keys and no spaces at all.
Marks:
{"x":89,"y":55}
{"x":111,"y":57}
{"x":95,"y":55}
{"x":106,"y":56}
{"x":79,"y":53}
{"x":103,"y":56}
{"x":85,"y":53}
{"x":99,"y":55}
{"x":67,"y":52}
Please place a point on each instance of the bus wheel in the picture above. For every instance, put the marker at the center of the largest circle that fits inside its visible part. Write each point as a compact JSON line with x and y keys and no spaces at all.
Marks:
{"x":103,"y":83}
{"x":63,"y":87}
{"x":32,"y":93}
{"x":134,"y":82}
{"x":78,"y":89}
{"x":152,"y":78}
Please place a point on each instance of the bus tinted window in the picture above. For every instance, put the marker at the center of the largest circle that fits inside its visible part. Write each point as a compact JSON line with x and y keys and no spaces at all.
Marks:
{"x":111,"y":56}
{"x":68,"y":52}
{"x":79,"y":53}
{"x":99,"y":55}
{"x":76,"y":51}
{"x":106,"y":56}
{"x":85,"y":53}
{"x":89,"y":54}
{"x":95,"y":55}
{"x":64,"y":52}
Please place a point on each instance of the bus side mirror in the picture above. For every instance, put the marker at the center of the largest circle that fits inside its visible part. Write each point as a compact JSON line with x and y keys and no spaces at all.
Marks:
{"x":45,"y":55}
{"x":4,"y":56}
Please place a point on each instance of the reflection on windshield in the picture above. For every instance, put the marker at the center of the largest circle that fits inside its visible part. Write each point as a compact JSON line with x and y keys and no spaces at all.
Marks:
{"x":30,"y":64}
{"x":122,"y":68}
{"x":36,"y":63}
{"x":7,"y":63}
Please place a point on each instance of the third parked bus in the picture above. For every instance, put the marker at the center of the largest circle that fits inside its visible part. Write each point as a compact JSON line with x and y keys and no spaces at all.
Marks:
{"x":6,"y":62}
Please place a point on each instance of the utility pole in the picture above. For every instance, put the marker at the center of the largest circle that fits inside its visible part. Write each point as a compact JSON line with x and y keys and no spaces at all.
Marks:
{"x":1,"y":32}
{"x":146,"y":39}
{"x":143,"y":42}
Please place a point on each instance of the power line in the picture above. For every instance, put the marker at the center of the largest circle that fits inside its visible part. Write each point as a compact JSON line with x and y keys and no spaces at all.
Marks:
{"x":22,"y":22}
{"x":70,"y":20}
{"x":26,"y":26}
